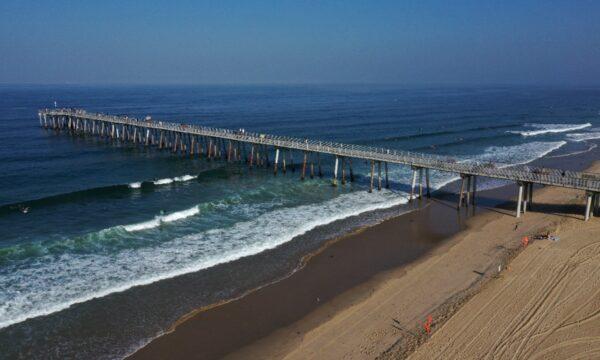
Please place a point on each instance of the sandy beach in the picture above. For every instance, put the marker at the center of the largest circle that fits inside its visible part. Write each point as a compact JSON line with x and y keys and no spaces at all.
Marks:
{"x":544,"y":305}
{"x":358,"y":297}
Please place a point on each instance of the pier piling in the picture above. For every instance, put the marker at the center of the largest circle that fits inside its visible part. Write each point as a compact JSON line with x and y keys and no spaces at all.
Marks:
{"x":275,"y":164}
{"x":412,"y":186}
{"x":387,"y":180}
{"x":379,"y":176}
{"x":372,"y":176}
{"x":427,"y":182}
{"x":420,"y":183}
{"x":304,"y":167}
{"x":520,"y":199}
{"x":335,"y":172}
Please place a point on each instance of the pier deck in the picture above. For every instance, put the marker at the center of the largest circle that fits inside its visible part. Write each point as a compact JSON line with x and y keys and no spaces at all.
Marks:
{"x":204,"y":140}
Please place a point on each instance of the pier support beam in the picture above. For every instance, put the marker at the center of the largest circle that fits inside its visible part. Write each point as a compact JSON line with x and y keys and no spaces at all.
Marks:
{"x":351,"y":171}
{"x":275,"y":164}
{"x":283,"y":164}
{"x":319,"y":165}
{"x":343,"y":171}
{"x":427,"y":182}
{"x":304,"y":167}
{"x":420,"y":183}
{"x":468,"y":191}
{"x":266,"y":152}
{"x":387,"y":179}
{"x":312,"y":166}
{"x":474,"y":189}
{"x":520,"y":200}
{"x":335,"y":172}
{"x":530,"y":196}
{"x":588,"y":204}
{"x":462,"y":191}
{"x":175,"y":142}
{"x":412,"y":186}
{"x":372,"y":176}
{"x":525,"y":197}
{"x":379,"y":176}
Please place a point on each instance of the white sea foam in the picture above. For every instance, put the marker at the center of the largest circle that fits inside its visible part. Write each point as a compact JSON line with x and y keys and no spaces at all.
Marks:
{"x":182,"y":178}
{"x":584,"y":136}
{"x":163,"y":181}
{"x":550,"y":128}
{"x":185,"y":177}
{"x":135,"y":185}
{"x":521,"y":154}
{"x":158,"y":220}
{"x":57,"y":282}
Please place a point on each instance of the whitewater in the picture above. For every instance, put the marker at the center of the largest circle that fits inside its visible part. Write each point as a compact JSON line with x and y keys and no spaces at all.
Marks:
{"x":542,"y":129}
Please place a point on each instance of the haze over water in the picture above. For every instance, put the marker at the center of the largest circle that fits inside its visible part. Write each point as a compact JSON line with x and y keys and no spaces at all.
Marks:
{"x":105,"y":217}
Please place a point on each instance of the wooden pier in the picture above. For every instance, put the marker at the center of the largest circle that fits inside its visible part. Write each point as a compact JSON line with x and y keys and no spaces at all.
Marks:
{"x":256,"y":149}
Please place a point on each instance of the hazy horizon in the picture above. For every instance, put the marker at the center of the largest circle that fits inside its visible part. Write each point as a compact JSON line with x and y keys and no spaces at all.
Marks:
{"x":430,"y":43}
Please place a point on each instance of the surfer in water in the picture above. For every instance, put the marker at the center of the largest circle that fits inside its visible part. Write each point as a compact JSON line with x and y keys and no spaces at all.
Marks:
{"x":24,"y":209}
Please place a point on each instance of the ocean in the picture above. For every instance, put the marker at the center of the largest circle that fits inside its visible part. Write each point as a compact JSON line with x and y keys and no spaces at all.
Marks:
{"x":120,"y":241}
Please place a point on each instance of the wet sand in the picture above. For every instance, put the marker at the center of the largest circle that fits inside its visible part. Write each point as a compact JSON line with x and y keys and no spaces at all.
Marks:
{"x":367,"y":294}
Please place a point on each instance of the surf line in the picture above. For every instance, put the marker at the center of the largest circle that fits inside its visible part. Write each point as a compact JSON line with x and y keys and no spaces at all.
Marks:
{"x":550,"y":129}
{"x":161,"y":219}
{"x":163,"y":181}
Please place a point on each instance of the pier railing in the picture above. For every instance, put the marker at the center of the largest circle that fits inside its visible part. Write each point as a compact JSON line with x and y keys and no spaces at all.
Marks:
{"x":513,"y":172}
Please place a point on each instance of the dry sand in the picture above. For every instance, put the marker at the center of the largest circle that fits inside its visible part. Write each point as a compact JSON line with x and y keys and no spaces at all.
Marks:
{"x":545,"y":303}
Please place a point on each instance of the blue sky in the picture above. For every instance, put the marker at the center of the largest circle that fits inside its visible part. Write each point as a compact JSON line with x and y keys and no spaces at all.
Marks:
{"x":401,"y":42}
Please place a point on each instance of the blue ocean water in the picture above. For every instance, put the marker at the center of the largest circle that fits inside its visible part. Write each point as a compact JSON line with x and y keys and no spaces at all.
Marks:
{"x":106,"y":217}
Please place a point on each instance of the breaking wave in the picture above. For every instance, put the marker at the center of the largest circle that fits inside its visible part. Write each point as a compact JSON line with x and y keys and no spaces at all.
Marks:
{"x":166,"y":181}
{"x":161,"y":219}
{"x":549,"y":128}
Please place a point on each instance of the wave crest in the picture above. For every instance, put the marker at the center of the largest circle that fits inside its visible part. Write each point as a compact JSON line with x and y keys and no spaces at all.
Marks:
{"x":159,"y":220}
{"x":550,"y":128}
{"x":182,"y":178}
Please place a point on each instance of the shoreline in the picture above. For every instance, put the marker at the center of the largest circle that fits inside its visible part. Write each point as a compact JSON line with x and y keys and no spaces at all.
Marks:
{"x":294,"y":284}
{"x":173,"y":342}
